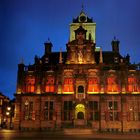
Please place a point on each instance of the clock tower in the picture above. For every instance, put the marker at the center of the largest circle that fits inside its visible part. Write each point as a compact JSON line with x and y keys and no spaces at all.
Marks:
{"x":87,"y":23}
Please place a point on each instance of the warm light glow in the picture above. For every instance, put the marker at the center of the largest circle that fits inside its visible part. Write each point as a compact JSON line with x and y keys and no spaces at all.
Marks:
{"x":49,"y":88}
{"x":1,"y":102}
{"x":49,"y":84}
{"x":7,"y":113}
{"x":112,"y":85}
{"x":68,"y":86}
{"x":79,"y":108}
{"x":38,"y":91}
{"x":30,"y":84}
{"x":32,"y":88}
{"x":93,"y":85}
{"x":8,"y":108}
{"x":18,"y":90}
{"x":132,"y":84}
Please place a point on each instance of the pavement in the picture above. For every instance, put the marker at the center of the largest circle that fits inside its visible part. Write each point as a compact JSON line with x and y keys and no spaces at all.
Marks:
{"x":66,"y":134}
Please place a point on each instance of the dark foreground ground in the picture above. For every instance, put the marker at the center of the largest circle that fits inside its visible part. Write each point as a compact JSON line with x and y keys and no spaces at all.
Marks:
{"x":64,"y":135}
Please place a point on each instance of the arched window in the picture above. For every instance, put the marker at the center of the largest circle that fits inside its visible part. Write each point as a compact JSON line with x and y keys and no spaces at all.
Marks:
{"x":80,"y":89}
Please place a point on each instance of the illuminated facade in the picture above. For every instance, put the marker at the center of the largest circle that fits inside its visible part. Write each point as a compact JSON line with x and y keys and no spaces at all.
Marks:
{"x":82,"y":87}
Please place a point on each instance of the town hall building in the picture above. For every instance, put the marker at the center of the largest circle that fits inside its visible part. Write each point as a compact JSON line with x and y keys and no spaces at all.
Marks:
{"x":83,"y":87}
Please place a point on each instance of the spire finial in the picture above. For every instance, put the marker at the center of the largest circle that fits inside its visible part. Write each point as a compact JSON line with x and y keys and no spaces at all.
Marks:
{"x":82,"y":7}
{"x":101,"y":56}
{"x":114,"y":37}
{"x":48,"y":39}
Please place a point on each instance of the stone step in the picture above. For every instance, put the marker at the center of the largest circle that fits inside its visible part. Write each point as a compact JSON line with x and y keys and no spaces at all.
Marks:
{"x":70,"y":131}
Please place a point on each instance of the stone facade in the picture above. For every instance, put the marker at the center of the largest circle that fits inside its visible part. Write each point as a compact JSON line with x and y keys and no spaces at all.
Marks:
{"x":82,"y":87}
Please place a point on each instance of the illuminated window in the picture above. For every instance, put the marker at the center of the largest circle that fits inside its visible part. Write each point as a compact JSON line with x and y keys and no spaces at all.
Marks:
{"x":68,"y":85}
{"x":132,"y":84}
{"x":29,"y":114}
{"x":49,"y":84}
{"x":112,"y":85}
{"x":30,"y":84}
{"x":133,"y":113}
{"x":93,"y":110}
{"x":93,"y":85}
{"x":49,"y":110}
{"x":113,"y":113}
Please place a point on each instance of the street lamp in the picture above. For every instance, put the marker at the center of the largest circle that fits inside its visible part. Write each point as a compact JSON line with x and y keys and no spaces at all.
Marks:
{"x":7,"y":113}
{"x":9,"y":117}
{"x":8,"y":108}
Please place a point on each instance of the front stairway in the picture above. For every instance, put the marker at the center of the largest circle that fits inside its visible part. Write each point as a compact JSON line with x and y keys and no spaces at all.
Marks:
{"x":80,"y":123}
{"x":78,"y":131}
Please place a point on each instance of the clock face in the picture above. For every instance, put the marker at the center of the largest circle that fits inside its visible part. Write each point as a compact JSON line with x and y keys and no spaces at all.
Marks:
{"x":82,"y":18}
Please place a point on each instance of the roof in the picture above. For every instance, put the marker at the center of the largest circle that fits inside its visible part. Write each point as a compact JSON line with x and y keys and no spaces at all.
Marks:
{"x":108,"y":57}
{"x":84,"y":18}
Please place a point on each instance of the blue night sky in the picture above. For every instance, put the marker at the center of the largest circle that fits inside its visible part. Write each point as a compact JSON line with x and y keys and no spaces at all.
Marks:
{"x":26,"y":24}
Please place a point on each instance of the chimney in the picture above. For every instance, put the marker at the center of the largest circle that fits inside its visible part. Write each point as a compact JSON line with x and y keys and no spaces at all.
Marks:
{"x":48,"y":47}
{"x":115,"y":45}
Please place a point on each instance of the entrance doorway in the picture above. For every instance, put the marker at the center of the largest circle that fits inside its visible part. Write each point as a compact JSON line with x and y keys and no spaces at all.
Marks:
{"x":80,"y":111}
{"x":80,"y":115}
